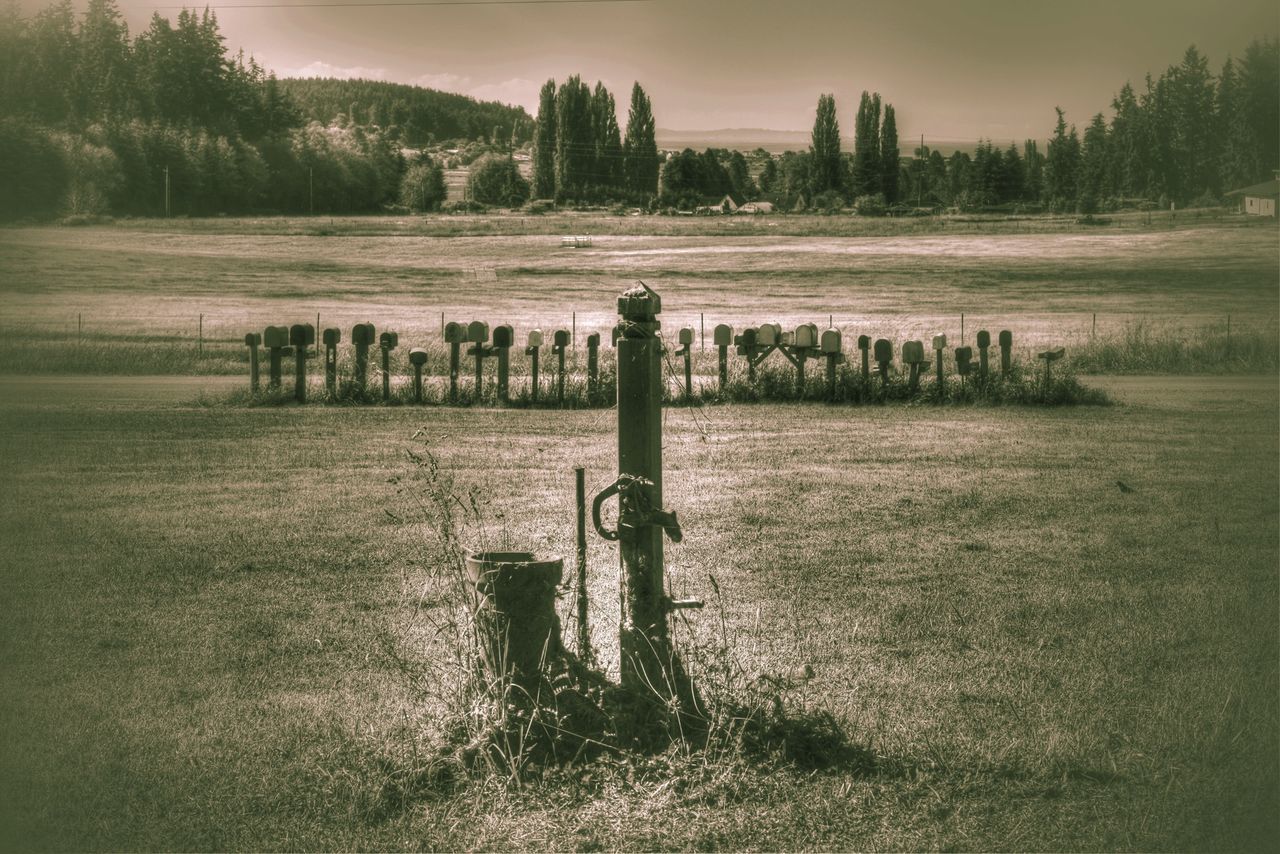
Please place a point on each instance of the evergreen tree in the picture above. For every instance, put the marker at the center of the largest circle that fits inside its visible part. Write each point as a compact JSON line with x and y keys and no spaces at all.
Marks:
{"x":1260,"y":98}
{"x":1062,"y":165}
{"x":1013,"y":187}
{"x":1191,"y":143}
{"x":544,"y":144}
{"x":1033,"y":164}
{"x":496,"y":180}
{"x":889,"y":166}
{"x":101,"y":78}
{"x":866,"y":147}
{"x":640,"y":151}
{"x":824,"y":148}
{"x":1094,"y":166}
{"x":740,"y":177}
{"x":1127,"y":155}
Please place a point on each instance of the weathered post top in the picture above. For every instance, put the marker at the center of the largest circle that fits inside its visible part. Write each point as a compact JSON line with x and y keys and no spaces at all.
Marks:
{"x":638,"y":309}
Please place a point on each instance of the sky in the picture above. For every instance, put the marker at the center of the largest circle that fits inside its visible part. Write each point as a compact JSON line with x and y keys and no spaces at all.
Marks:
{"x":953,"y":69}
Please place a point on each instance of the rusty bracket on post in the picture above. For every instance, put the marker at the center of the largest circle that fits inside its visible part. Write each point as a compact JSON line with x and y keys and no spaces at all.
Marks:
{"x":635,"y":511}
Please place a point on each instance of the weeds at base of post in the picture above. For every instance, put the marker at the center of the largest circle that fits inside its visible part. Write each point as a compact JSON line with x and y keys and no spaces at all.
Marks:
{"x":577,"y":726}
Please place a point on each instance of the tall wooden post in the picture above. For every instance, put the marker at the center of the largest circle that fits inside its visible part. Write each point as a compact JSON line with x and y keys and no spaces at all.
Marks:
{"x":253,"y":340}
{"x":580,"y":496}
{"x":417,"y":358}
{"x":276,"y":339}
{"x":1006,"y":350}
{"x":362,"y":336}
{"x":984,"y":343}
{"x":532,"y":350}
{"x":331,"y":339}
{"x":560,"y":344}
{"x":301,"y":336}
{"x":723,"y":337}
{"x":864,"y":344}
{"x":593,"y":366}
{"x":455,"y":334}
{"x":503,"y":338}
{"x":387,"y":342}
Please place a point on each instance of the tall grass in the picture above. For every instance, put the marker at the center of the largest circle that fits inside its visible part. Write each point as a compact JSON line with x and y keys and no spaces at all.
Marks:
{"x":1145,"y":347}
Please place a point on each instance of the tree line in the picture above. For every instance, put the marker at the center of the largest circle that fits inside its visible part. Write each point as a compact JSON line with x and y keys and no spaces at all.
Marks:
{"x":579,"y":153}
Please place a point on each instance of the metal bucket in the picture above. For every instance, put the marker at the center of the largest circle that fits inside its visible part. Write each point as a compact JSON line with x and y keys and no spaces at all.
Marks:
{"x":515,"y":611}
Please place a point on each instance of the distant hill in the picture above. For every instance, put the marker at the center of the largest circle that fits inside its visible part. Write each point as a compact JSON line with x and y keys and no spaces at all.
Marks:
{"x":778,"y":141}
{"x":422,"y":114}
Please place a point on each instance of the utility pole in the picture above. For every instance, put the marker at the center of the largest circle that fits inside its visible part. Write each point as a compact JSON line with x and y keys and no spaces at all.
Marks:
{"x":166,"y":191}
{"x":311,"y":186}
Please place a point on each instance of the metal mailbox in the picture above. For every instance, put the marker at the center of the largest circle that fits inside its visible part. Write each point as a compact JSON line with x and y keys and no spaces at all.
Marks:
{"x":831,"y":341}
{"x":503,"y":336}
{"x":455,"y":333}
{"x":723,"y":335}
{"x":478,"y":332}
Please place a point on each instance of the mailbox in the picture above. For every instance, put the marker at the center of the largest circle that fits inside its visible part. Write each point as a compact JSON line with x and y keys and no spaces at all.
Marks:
{"x":964,"y":360}
{"x":477,"y":332}
{"x":455,"y":333}
{"x":831,"y":341}
{"x":362,"y":334}
{"x":723,"y":335}
{"x":806,"y":335}
{"x":767,"y":335}
{"x":302,"y":335}
{"x":864,"y":342}
{"x":686,"y":336}
{"x":417,"y":357}
{"x":884,"y":351}
{"x":388,"y":340}
{"x":1006,"y":338}
{"x":332,"y":337}
{"x":913,"y":352}
{"x":535,"y":338}
{"x":747,"y":341}
{"x":786,"y":339}
{"x":253,"y":339}
{"x":1053,"y":355}
{"x":984,"y":339}
{"x":503,"y":336}
{"x":939,"y":342}
{"x":593,"y":340}
{"x":561,"y":338}
{"x":276,"y":337}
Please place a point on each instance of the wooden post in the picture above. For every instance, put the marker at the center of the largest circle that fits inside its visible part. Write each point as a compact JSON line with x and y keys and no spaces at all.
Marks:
{"x":830,"y":346}
{"x":455,"y":334}
{"x":913,"y":357}
{"x":1049,"y":356}
{"x":864,"y":344}
{"x":962,"y":328}
{"x":1006,"y":352}
{"x":535,"y":344}
{"x":593,"y":366}
{"x":417,"y":358}
{"x":387,"y":342}
{"x":362,"y":335}
{"x":331,"y":339}
{"x":560,"y":343}
{"x":984,"y":343}
{"x":301,"y":336}
{"x":573,"y":337}
{"x":686,"y":350}
{"x":503,"y":338}
{"x":702,"y":329}
{"x":580,"y":501}
{"x":276,"y":339}
{"x":252,"y":341}
{"x":939,"y":347}
{"x":884,"y":358}
{"x":722,"y":337}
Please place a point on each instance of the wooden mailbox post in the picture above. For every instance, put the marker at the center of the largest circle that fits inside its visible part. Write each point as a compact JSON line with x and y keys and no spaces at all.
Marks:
{"x":276,"y":340}
{"x":455,"y":335}
{"x":332,"y":338}
{"x":534,"y":345}
{"x":939,"y":345}
{"x":964,"y":363}
{"x":560,"y":344}
{"x":253,"y":341}
{"x":593,"y":366}
{"x":984,"y":344}
{"x":478,"y":335}
{"x":884,"y":358}
{"x":362,"y":337}
{"x":723,"y":338}
{"x":417,"y":358}
{"x":798,"y":346}
{"x":1050,"y":356}
{"x":913,"y":358}
{"x":830,"y":346}
{"x":301,"y":336}
{"x":387,"y":342}
{"x":503,"y":337}
{"x":686,"y":350}
{"x":864,"y":345}
{"x":1006,"y":352}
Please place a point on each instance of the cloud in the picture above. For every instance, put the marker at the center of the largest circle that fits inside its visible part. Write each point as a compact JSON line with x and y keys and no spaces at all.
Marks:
{"x":517,"y":90}
{"x":443,"y":82}
{"x":324,"y":69}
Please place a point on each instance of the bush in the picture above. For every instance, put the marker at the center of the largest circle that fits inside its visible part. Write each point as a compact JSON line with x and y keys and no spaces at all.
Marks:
{"x":831,"y":201}
{"x":33,"y":178}
{"x":422,"y":187}
{"x":869,"y":205}
{"x":496,"y":180}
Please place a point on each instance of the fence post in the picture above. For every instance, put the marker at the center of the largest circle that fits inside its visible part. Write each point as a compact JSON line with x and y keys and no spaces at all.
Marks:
{"x":200,"y":338}
{"x":580,"y":501}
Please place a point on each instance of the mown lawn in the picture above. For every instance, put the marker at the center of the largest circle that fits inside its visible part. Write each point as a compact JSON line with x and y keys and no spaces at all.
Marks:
{"x":210,"y":631}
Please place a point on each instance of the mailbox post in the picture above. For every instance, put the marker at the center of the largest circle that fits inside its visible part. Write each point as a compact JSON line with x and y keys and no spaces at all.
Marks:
{"x":648,"y":663}
{"x":723,"y":337}
{"x":1006,"y":351}
{"x":593,"y":366}
{"x":417,"y":358}
{"x":884,"y":358}
{"x":332,"y":337}
{"x":362,"y":335}
{"x":913,"y":358}
{"x":797,"y":347}
{"x":984,"y":344}
{"x":455,"y":335}
{"x":387,"y":342}
{"x":939,"y":345}
{"x":301,"y":336}
{"x":503,"y":338}
{"x":1050,"y":356}
{"x":560,"y":345}
{"x":478,"y":335}
{"x":686,"y":350}
{"x":830,"y":346}
{"x":534,"y":345}
{"x":757,"y":344}
{"x":253,"y":341}
{"x":276,"y":339}
{"x":964,"y":364}
{"x":864,"y":344}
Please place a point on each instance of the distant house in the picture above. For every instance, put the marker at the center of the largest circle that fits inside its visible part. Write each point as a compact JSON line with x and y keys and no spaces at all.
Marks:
{"x":724,"y":206}
{"x":756,"y":208}
{"x":1260,"y":199}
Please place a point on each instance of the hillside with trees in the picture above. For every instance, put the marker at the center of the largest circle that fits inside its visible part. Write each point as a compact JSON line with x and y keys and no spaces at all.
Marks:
{"x":416,"y":116}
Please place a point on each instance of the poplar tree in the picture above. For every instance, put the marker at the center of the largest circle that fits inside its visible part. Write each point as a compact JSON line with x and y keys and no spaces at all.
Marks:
{"x":606,"y":139}
{"x":640,"y":151}
{"x":824,"y":149}
{"x":866,"y":147}
{"x":574,"y":144}
{"x":544,"y":144}
{"x":889,"y":155}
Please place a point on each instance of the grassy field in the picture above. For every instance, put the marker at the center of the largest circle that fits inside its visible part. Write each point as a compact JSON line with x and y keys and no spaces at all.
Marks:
{"x":133,"y":297}
{"x":213,"y":636}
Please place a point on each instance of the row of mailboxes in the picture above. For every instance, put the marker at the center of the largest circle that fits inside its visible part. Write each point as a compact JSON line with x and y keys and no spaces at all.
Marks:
{"x":477,"y":332}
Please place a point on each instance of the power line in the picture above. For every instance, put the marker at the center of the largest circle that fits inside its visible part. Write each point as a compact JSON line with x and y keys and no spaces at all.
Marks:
{"x":345,"y":4}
